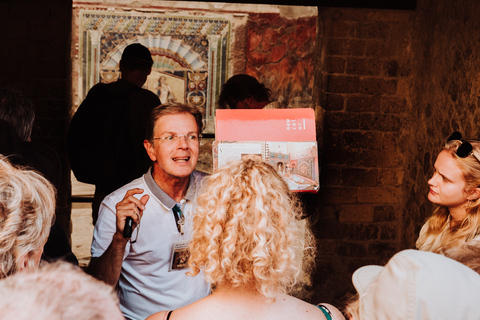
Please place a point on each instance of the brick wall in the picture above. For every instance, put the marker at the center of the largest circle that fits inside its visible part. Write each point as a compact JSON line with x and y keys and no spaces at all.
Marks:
{"x":446,"y":88}
{"x":365,"y":71}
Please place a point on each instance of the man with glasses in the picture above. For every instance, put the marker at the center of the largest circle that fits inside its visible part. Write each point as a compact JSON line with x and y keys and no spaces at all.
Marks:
{"x":148,"y":268}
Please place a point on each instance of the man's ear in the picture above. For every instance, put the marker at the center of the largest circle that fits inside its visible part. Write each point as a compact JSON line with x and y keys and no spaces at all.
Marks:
{"x":150,"y":150}
{"x":474,"y":194}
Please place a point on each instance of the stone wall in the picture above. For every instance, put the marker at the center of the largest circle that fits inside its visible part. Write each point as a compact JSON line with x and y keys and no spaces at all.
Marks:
{"x":394,"y":85}
{"x":366,"y":71}
{"x":445,"y":94}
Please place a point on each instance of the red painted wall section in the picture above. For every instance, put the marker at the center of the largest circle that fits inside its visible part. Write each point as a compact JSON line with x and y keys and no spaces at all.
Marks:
{"x":280,"y":53}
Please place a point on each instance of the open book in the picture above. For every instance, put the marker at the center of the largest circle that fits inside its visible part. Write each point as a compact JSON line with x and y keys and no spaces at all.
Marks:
{"x":284,"y":138}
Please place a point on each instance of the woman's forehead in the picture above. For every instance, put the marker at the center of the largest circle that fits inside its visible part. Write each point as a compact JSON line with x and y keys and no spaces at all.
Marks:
{"x":447,"y":165}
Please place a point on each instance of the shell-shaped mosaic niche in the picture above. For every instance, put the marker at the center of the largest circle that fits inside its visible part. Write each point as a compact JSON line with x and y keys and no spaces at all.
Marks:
{"x":179,"y":73}
{"x":167,"y":53}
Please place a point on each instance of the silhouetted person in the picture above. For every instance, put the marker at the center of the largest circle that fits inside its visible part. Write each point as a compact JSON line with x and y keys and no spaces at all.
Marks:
{"x":17,"y":116}
{"x":105,"y":139}
{"x":245,"y":92}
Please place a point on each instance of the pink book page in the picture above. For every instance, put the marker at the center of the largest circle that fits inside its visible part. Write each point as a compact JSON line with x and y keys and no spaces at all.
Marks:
{"x":265,"y":125}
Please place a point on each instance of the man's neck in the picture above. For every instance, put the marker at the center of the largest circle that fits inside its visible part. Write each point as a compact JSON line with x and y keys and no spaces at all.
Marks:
{"x":134,"y":77}
{"x":174,"y":187}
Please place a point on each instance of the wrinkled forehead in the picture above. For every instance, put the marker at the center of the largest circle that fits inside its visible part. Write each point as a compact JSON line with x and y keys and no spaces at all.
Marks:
{"x":176,"y":123}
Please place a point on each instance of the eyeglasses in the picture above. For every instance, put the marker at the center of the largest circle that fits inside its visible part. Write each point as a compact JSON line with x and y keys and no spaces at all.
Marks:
{"x":190,"y":137}
{"x":465,"y":148}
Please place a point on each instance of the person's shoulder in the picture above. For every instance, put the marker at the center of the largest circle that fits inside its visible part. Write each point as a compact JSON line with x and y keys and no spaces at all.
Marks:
{"x":203,"y":309}
{"x":44,"y":159}
{"x":147,"y":95}
{"x":98,"y":88}
{"x":120,"y":192}
{"x":302,"y":309}
{"x":291,"y":307}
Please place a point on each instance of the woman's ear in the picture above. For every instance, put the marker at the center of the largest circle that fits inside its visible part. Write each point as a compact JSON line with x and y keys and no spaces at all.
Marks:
{"x":25,"y":261}
{"x":474,"y":194}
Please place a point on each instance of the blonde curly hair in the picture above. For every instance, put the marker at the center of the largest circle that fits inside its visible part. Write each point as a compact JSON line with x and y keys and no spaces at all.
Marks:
{"x":248,"y":231}
{"x":436,"y":234}
{"x":27,"y":207}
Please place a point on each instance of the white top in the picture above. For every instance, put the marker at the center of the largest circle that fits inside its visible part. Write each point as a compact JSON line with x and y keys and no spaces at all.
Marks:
{"x":146,"y":285}
{"x":418,"y":285}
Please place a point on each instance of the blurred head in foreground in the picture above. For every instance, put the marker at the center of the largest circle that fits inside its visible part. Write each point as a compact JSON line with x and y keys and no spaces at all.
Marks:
{"x":27,"y":208}
{"x":57,"y":291}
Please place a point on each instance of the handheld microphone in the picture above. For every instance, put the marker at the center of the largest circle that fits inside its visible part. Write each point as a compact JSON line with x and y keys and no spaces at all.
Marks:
{"x":128,"y":229}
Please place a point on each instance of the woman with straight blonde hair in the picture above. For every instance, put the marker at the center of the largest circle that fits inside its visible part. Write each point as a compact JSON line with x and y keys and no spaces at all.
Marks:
{"x":27,"y":208}
{"x":253,"y":247}
{"x":455,"y":188}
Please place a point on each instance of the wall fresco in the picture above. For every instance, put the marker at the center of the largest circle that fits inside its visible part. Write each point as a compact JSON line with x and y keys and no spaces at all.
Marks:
{"x":190,"y":53}
{"x":196,"y":47}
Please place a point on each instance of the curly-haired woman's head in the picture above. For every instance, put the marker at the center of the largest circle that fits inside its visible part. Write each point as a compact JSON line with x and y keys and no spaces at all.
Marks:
{"x":27,"y":208}
{"x":247,"y":230}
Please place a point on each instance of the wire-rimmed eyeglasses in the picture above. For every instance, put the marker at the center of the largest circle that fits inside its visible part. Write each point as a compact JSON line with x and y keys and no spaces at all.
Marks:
{"x":171,"y":138}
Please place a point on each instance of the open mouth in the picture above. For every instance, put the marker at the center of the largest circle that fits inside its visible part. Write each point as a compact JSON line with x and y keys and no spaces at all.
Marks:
{"x":181,"y":159}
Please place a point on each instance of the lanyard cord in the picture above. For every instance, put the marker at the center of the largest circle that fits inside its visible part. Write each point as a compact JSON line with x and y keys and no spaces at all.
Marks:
{"x":179,"y":218}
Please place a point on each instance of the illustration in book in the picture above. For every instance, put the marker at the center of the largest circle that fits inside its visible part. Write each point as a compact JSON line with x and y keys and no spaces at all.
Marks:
{"x":296,"y":162}
{"x":283,"y":138}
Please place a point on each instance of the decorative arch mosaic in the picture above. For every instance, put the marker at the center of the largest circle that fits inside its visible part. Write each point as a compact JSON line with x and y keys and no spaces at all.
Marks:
{"x":190,"y":53}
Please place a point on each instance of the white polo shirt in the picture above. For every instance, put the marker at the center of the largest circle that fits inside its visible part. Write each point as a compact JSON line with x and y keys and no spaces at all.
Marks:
{"x":146,"y":284}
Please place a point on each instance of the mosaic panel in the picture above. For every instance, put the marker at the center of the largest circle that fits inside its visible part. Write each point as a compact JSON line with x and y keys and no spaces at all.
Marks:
{"x":190,"y":53}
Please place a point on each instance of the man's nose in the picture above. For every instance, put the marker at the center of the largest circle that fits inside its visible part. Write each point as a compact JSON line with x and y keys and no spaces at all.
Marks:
{"x":182,"y":141}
